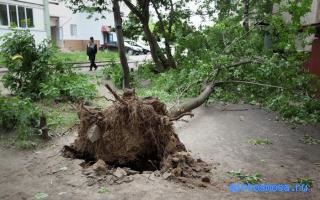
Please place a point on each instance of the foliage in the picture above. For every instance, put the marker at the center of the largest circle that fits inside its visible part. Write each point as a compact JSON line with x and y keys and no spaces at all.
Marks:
{"x":36,"y":71}
{"x":103,"y":190}
{"x":306,"y":181}
{"x":247,"y":179}
{"x":20,"y":115}
{"x":260,"y":142}
{"x":308,"y":139}
{"x":199,"y":54}
{"x":27,"y":63}
{"x":71,"y":86}
{"x":113,"y":72}
{"x":41,"y":195}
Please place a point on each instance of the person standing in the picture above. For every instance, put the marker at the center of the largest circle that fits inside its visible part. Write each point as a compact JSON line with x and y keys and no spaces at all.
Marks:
{"x":91,"y":52}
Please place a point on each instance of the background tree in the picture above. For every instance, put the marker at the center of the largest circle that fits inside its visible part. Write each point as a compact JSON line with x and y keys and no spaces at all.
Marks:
{"x":100,"y":7}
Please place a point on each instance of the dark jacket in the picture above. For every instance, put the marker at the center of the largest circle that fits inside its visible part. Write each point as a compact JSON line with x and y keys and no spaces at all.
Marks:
{"x":91,"y":49}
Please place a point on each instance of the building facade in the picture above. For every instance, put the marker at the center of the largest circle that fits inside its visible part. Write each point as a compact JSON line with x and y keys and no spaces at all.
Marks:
{"x":71,"y":31}
{"x":24,"y":14}
{"x":51,"y":19}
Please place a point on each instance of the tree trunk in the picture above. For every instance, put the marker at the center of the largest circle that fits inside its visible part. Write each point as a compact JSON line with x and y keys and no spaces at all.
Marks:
{"x":120,"y":41}
{"x":205,"y":94}
{"x":171,"y":61}
{"x":143,"y":14}
{"x":156,"y":52}
{"x":195,"y":102}
{"x":246,"y":15}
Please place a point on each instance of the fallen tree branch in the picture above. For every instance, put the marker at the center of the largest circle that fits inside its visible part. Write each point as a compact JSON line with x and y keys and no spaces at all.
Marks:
{"x":116,"y":96}
{"x":180,"y":116}
{"x":251,"y":83}
{"x":103,"y":97}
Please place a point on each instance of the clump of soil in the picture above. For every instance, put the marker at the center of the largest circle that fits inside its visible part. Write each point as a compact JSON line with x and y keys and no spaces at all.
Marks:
{"x":135,"y":133}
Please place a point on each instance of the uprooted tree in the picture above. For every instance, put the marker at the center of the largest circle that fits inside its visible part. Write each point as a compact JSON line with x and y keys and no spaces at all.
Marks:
{"x":136,"y":133}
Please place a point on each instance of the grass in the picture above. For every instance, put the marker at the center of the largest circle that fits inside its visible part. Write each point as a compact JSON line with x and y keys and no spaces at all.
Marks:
{"x":81,"y":56}
{"x":305,"y":181}
{"x":260,"y":142}
{"x":246,"y":178}
{"x":307,"y":139}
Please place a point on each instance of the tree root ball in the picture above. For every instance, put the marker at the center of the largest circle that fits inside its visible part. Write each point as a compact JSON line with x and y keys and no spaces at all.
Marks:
{"x":135,"y":133}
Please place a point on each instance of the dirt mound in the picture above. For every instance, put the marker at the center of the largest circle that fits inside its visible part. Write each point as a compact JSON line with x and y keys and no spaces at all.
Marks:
{"x":135,"y":133}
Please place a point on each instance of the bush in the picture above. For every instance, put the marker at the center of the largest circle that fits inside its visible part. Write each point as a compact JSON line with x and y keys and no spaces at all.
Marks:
{"x":20,"y":115}
{"x":36,"y":71}
{"x":281,"y":65}
{"x":71,"y":86}
{"x":113,"y":72}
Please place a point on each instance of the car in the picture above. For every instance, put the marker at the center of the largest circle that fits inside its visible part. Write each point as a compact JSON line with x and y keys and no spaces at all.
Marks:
{"x":132,"y":50}
{"x":145,"y":48}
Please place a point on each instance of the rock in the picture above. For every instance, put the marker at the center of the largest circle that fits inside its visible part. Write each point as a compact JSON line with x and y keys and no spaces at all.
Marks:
{"x":157,"y":173}
{"x":207,"y":169}
{"x":147,"y":172}
{"x":119,"y":173}
{"x":175,"y":159}
{"x":94,"y":133}
{"x":196,"y":169}
{"x":166,"y":175}
{"x":130,"y":171}
{"x":100,"y":167}
{"x":195,"y":175}
{"x":177,"y":171}
{"x":126,"y":179}
{"x":206,"y":179}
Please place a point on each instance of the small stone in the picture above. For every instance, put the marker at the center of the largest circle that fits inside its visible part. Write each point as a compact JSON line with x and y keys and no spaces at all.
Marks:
{"x":130,"y":171}
{"x":199,"y":160}
{"x":207,"y":169}
{"x":175,"y":159}
{"x":119,"y":173}
{"x":86,"y":172}
{"x":166,"y":175}
{"x":177,"y":171}
{"x":126,"y":179}
{"x":196,"y":169}
{"x":157,"y":174}
{"x":100,"y":167}
{"x":147,"y":172}
{"x":206,"y":179}
{"x":195,"y":175}
{"x":94,"y":133}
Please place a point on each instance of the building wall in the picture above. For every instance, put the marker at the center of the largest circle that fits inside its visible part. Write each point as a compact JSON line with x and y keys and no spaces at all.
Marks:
{"x":38,"y":30}
{"x":85,"y":28}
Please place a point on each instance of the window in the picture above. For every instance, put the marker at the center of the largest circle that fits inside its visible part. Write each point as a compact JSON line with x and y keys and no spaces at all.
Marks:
{"x":22,"y":17}
{"x":29,"y":17}
{"x":73,"y":28}
{"x":19,"y":16}
{"x":3,"y":15}
{"x":13,"y":16}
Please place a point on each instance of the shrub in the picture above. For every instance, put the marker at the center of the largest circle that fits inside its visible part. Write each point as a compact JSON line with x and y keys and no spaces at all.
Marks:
{"x":71,"y":86}
{"x":36,"y":71}
{"x":20,"y":115}
{"x":113,"y":72}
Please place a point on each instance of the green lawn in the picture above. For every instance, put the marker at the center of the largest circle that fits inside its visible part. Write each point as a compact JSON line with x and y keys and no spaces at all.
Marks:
{"x":81,"y":56}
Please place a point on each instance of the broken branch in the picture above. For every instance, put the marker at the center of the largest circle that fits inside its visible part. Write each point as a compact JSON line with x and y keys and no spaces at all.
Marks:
{"x":116,"y":96}
{"x":181,"y":115}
